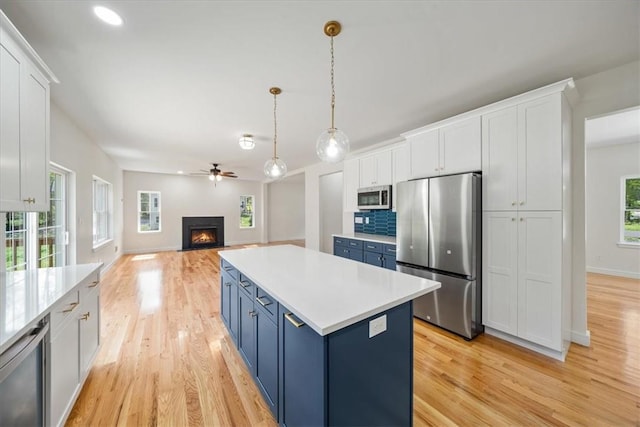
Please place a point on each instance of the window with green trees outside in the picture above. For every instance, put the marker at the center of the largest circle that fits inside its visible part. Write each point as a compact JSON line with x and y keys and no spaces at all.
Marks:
{"x":630,"y":229}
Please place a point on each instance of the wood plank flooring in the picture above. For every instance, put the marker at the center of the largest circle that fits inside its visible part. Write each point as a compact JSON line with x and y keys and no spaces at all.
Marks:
{"x":167,"y":360}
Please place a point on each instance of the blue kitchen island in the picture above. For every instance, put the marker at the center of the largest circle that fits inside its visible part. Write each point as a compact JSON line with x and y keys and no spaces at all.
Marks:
{"x":329,"y":341}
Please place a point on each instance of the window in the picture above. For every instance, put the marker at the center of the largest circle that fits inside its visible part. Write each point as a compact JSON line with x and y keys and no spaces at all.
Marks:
{"x":246,"y":212}
{"x":630,"y":224}
{"x":102,"y":206}
{"x":38,"y":240}
{"x":148,"y":211}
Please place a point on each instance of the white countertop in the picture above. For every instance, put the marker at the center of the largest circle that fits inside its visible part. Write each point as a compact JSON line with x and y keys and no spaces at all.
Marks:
{"x":325,"y":291}
{"x":27,"y":296}
{"x":369,"y":237}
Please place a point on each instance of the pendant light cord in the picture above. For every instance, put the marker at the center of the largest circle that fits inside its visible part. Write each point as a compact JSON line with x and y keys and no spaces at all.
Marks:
{"x":333,"y":89}
{"x":275,"y":126}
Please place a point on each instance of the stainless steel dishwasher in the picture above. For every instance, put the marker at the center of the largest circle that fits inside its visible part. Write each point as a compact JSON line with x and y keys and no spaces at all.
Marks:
{"x":22,"y":380}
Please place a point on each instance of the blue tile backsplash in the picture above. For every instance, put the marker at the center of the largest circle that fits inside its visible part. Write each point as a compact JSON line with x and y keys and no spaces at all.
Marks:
{"x":381,"y":222}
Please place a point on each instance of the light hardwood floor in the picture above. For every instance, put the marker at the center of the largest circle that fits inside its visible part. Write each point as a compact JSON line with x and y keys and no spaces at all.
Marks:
{"x":166,"y":359}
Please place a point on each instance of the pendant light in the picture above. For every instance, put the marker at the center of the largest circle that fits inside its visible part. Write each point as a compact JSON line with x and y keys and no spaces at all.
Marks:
{"x":333,"y":144}
{"x":275,"y":168}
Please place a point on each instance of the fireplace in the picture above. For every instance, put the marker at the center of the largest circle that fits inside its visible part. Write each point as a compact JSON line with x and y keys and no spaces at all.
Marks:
{"x":199,"y":232}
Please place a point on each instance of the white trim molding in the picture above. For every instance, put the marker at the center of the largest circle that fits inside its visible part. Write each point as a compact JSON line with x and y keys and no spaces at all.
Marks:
{"x":580,"y":338}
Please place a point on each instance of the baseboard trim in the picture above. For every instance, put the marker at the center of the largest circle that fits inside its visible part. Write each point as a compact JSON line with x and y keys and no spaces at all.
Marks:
{"x":581,"y":338}
{"x":612,"y":272}
{"x":558,"y":355}
{"x":106,"y":267}
{"x":151,"y":250}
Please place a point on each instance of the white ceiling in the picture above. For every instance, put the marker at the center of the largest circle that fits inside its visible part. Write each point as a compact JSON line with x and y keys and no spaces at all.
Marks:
{"x":180,"y":81}
{"x":621,"y":127}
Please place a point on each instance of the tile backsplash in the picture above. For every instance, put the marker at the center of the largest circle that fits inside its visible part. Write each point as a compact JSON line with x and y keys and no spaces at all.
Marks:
{"x":381,"y":222}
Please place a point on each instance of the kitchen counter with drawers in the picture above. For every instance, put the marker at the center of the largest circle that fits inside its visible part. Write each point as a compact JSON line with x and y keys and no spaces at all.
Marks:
{"x":328,"y":341}
{"x":28,"y":296}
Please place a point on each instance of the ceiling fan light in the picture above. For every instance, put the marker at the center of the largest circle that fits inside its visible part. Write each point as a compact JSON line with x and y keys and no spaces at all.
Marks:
{"x":275,"y":168}
{"x":332,"y":145}
{"x":218,"y":178}
{"x":246,"y":142}
{"x":212,"y":177}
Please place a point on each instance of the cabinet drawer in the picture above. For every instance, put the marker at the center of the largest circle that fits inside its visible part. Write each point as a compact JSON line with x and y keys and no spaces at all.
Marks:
{"x":267,"y":303}
{"x":228,"y":268}
{"x":340,"y":241}
{"x":390,"y":250}
{"x":373,"y":246}
{"x":354,"y":244}
{"x":246,"y":285}
{"x":65,"y":308}
{"x":89,"y":285}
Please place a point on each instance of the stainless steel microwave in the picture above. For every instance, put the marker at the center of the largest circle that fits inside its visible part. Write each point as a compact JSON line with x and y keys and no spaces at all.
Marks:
{"x":374,"y":197}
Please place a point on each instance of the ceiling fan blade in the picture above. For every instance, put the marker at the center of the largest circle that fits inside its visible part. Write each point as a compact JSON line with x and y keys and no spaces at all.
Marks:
{"x":227,"y":173}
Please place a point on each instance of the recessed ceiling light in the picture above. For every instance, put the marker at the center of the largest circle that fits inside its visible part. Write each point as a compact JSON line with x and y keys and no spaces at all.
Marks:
{"x":180,"y":172}
{"x":107,"y":15}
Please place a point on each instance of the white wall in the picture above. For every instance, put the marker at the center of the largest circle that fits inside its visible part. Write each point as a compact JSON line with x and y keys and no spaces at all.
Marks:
{"x":312,"y":200}
{"x":611,"y":90}
{"x":605,"y":167}
{"x":188,"y":196}
{"x":72,"y":149}
{"x":331,"y":189}
{"x":286,"y":209}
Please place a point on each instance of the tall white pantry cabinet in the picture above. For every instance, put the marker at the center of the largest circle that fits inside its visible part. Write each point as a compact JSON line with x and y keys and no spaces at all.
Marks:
{"x":24,"y":123}
{"x":526,"y":151}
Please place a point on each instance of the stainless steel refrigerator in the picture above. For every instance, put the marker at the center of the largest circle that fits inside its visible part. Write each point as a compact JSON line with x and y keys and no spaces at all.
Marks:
{"x":439,"y":229}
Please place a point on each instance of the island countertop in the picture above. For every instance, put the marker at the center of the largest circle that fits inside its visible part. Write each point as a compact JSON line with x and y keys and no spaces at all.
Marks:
{"x":325,"y":291}
{"x":28,"y":295}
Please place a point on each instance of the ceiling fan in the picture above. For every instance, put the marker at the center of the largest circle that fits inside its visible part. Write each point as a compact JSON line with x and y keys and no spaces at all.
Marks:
{"x":216,"y":174}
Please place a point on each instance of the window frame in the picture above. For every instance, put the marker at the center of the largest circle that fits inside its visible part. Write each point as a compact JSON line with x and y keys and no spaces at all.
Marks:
{"x":97,"y":239}
{"x":158,"y":211}
{"x":243,"y":199}
{"x":623,"y":208}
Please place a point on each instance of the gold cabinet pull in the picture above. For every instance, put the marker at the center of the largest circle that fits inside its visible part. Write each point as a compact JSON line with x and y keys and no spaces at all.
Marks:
{"x":93,"y":284}
{"x":72,"y":306}
{"x":294,"y":322}
{"x":85,"y":316}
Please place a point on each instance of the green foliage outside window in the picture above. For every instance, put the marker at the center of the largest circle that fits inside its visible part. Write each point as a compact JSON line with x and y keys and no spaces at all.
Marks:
{"x":632,"y":210}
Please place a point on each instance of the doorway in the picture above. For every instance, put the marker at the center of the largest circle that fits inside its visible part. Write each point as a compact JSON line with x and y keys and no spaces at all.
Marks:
{"x":330,"y":209}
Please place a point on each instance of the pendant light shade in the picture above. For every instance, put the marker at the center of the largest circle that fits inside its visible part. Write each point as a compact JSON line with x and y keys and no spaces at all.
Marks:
{"x":333,"y":144}
{"x":275,"y":168}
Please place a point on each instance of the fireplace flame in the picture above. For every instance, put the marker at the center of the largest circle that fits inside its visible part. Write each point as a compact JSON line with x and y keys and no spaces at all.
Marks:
{"x":203,"y":236}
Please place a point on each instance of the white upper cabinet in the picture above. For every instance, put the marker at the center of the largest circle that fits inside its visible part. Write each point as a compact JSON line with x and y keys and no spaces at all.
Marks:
{"x":522,"y":160}
{"x":376,"y":169}
{"x":24,"y":123}
{"x":454,"y":148}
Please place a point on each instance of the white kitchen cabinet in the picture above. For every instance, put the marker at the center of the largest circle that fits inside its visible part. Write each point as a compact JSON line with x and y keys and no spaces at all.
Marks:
{"x":400,"y":157}
{"x":376,"y":169}
{"x":522,"y":156}
{"x":522,"y":275}
{"x":454,"y":148}
{"x":64,"y":359}
{"x":24,"y":123}
{"x":74,"y":343}
{"x":351,"y":183}
{"x":89,"y":331}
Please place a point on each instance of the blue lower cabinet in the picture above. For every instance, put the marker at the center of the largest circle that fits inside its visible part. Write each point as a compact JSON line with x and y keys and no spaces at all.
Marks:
{"x":229,"y":304}
{"x":302,"y":373}
{"x":347,"y":377}
{"x":246,"y":330}
{"x":266,"y":367}
{"x":373,"y":258}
